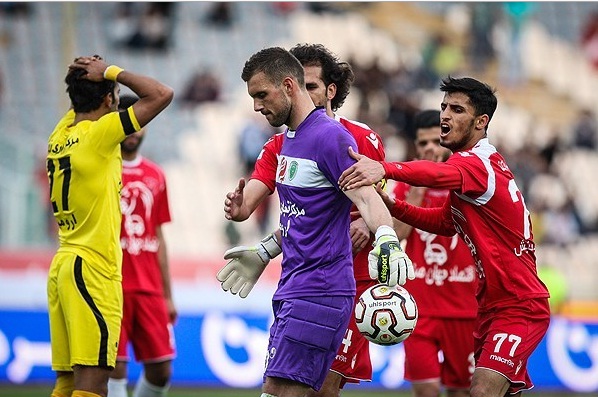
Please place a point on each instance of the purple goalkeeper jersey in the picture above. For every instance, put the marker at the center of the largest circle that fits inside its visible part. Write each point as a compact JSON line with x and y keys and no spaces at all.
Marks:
{"x":314,"y":212}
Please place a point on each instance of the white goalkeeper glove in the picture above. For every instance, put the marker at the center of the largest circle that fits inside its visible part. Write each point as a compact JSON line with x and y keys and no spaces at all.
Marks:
{"x":387,"y":262}
{"x":246,"y":265}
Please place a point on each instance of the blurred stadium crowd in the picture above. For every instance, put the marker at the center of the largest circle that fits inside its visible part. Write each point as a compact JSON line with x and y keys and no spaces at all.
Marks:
{"x":539,"y":56}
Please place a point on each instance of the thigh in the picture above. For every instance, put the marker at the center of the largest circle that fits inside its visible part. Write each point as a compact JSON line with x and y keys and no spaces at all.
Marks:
{"x":59,"y":338}
{"x":305,"y":337}
{"x":152,"y":334}
{"x":422,"y":348}
{"x":506,"y":338}
{"x":92,"y":305}
{"x":457,"y":349}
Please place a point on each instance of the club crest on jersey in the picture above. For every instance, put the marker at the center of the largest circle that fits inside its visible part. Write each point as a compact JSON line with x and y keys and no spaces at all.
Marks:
{"x":282,"y":169}
{"x":293,"y":170}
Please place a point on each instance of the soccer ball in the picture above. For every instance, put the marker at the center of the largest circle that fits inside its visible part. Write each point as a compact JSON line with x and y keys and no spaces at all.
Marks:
{"x":386,"y":315}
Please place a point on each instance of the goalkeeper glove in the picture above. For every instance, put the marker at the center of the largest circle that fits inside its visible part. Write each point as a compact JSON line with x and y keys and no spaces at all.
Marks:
{"x":387,"y":262}
{"x":246,"y":265}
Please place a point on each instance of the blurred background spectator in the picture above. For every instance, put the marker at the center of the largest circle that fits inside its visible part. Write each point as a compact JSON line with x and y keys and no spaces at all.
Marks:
{"x":515,"y":15}
{"x":585,"y":130}
{"x":589,"y":39}
{"x":220,"y":14}
{"x":143,"y":26}
{"x":482,"y":21}
{"x":203,"y":86}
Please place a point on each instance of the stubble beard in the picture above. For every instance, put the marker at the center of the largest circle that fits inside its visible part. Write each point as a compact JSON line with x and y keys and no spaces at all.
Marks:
{"x":461,"y":143}
{"x":283,"y":117}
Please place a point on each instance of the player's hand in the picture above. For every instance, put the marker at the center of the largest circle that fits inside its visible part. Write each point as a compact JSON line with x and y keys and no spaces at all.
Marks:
{"x":387,"y":262}
{"x":172,"y":312}
{"x":360,"y":235}
{"x":365,"y":172}
{"x":388,"y":201}
{"x":94,"y":66}
{"x":233,"y":203}
{"x":246,"y":265}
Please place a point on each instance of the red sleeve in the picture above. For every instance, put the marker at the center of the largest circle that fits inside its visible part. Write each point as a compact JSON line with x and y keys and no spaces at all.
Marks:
{"x":400,"y":190}
{"x":267,"y":162}
{"x":433,"y":220}
{"x":424,"y":173}
{"x":162,"y":206}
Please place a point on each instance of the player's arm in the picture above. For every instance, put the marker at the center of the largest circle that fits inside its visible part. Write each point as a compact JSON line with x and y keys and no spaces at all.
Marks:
{"x":267,"y":162}
{"x":246,"y":264}
{"x":165,"y":272}
{"x":153,"y":95}
{"x":387,"y":262}
{"x":433,"y":220}
{"x":416,"y":173}
{"x":415,"y":197}
{"x":370,"y":144}
{"x":242,"y":202}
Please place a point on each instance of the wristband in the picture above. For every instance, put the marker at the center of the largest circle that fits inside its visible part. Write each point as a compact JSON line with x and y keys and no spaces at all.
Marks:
{"x":271,"y":246}
{"x":112,"y":72}
{"x":385,"y":230}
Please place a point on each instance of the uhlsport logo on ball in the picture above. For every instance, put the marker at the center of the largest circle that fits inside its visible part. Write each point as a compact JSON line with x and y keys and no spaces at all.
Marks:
{"x":386,"y":315}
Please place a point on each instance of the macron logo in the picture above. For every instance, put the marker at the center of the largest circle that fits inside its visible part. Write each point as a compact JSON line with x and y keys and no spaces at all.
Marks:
{"x":373,"y":139}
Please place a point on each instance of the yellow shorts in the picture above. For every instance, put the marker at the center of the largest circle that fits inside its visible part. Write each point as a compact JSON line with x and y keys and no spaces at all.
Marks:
{"x":85,"y":310}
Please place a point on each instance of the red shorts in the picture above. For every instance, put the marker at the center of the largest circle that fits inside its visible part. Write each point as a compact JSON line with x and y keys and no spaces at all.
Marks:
{"x":147,"y":327}
{"x":454,"y":337}
{"x":352,"y":360}
{"x":507,"y":336}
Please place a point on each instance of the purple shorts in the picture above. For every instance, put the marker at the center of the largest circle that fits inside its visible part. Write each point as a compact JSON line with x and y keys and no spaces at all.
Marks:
{"x":305,"y":337}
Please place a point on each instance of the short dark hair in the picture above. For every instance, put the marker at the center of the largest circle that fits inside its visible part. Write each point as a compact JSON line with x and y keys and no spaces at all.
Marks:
{"x":333,"y":70}
{"x":126,"y":100}
{"x":86,"y":95}
{"x":426,"y":119}
{"x":480,"y":95}
{"x":276,"y":63}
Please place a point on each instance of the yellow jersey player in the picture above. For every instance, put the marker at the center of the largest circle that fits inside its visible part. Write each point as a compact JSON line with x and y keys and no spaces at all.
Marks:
{"x":84,"y":168}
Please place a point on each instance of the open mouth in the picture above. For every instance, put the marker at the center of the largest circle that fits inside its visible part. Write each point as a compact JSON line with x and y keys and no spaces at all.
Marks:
{"x":445,"y":129}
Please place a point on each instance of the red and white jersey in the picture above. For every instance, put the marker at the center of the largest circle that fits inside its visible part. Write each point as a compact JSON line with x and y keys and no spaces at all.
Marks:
{"x":144,"y":205}
{"x":488,"y":211}
{"x":369,"y":143}
{"x":445,"y":274}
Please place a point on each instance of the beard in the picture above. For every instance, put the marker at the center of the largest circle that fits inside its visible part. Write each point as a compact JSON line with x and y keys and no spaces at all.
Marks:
{"x":130,"y":145}
{"x":460,"y":141}
{"x":282,"y":117}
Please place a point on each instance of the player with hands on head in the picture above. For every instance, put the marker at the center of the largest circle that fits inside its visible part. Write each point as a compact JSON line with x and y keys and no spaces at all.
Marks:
{"x":328,"y":82}
{"x":488,"y":211}
{"x":315,"y":296}
{"x":84,"y":173}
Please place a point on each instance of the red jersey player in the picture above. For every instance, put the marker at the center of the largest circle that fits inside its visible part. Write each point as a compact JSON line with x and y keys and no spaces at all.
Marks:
{"x":328,"y":82}
{"x":148,"y":309}
{"x":488,"y":211}
{"x":444,"y":285}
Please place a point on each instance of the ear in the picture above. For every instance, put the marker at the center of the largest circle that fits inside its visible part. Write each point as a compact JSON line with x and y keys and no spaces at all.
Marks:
{"x":288,"y":85}
{"x":331,"y":91}
{"x":482,"y":122}
{"x":109,"y":100}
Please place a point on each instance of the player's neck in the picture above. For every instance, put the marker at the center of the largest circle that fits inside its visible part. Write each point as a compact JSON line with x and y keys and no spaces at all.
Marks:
{"x":131,"y":156}
{"x":91,"y":116}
